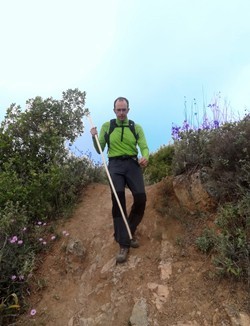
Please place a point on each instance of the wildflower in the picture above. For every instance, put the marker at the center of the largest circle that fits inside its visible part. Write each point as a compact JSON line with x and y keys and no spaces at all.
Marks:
{"x":44,"y":242}
{"x":13,"y":277}
{"x":216,"y":124}
{"x":21,"y":277}
{"x":53,"y":237}
{"x":13,"y":239}
{"x":20,"y":242}
{"x":185,"y":125}
{"x":40,"y":239}
{"x":64,"y":232}
{"x":39,"y":223}
{"x":33,"y":312}
{"x":44,"y":223}
{"x":24,"y":229}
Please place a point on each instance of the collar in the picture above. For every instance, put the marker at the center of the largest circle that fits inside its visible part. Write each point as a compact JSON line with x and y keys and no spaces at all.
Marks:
{"x":120,"y":123}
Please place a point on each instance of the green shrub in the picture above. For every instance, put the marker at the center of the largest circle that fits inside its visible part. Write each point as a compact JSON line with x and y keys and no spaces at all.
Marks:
{"x":40,"y":181}
{"x":231,"y":241}
{"x":233,"y":245}
{"x":207,"y":241}
{"x":160,"y":164}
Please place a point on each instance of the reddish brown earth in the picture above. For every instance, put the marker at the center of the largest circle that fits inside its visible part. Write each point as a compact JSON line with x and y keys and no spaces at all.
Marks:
{"x":166,"y":281}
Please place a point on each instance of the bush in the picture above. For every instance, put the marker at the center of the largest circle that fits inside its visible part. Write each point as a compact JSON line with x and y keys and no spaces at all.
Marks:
{"x":160,"y":164}
{"x":226,"y":150}
{"x":230,"y":241}
{"x":207,"y":241}
{"x":40,"y":181}
{"x":233,"y":246}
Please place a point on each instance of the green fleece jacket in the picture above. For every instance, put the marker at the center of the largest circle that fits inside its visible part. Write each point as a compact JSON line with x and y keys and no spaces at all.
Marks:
{"x":122,"y":141}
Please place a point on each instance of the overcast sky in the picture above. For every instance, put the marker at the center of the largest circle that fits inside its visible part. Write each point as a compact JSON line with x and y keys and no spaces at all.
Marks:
{"x":157,"y":53}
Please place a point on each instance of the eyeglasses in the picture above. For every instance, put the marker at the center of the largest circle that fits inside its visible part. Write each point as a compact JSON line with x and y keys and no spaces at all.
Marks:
{"x":121,"y":110}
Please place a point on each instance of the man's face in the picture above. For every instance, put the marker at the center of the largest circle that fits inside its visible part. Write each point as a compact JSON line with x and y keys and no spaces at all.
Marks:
{"x":121,"y":110}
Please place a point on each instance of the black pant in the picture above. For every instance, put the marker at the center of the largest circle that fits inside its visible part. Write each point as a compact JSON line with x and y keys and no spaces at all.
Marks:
{"x":127,"y":172}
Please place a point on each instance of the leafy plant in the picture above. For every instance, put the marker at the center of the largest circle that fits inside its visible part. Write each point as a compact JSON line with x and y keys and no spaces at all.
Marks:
{"x":207,"y":241}
{"x":40,"y":181}
{"x":160,"y":164}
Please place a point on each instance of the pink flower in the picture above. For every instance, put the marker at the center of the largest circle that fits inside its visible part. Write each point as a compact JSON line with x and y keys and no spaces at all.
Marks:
{"x":20,"y":242}
{"x":53,"y":237}
{"x":13,"y":239}
{"x":33,"y":312}
{"x":13,"y":277}
{"x":65,"y":233}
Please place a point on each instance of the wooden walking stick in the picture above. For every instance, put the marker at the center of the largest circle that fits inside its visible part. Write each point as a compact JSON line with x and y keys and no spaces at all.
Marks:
{"x":110,"y":180}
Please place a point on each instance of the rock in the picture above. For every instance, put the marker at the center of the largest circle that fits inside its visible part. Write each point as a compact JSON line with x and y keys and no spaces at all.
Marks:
{"x":75,"y":248}
{"x":237,"y":318}
{"x":108,"y":267}
{"x":244,"y":319}
{"x":139,"y":314}
{"x":196,"y":191}
{"x":160,"y":294}
{"x":166,"y":270}
{"x":87,"y":322}
{"x":75,"y":254}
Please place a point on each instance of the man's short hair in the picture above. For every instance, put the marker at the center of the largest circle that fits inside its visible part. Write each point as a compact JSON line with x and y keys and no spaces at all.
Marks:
{"x":121,"y":99}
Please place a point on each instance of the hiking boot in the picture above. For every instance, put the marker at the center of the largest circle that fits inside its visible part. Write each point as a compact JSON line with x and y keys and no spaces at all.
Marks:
{"x":122,"y":256}
{"x":134,"y":243}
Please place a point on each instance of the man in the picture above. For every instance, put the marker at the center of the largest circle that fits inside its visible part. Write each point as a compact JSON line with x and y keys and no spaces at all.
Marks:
{"x":125,"y":170}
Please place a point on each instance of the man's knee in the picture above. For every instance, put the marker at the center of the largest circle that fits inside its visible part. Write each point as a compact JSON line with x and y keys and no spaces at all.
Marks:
{"x":140,"y":202}
{"x":116,"y":212}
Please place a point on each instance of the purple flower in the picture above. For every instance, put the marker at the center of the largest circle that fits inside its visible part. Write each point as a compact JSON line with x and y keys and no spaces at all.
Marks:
{"x":216,"y":124}
{"x":185,"y":125}
{"x":13,"y":277}
{"x":33,"y":312}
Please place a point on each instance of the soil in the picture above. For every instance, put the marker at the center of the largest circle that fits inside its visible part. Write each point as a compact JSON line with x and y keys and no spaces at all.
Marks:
{"x":166,"y":281}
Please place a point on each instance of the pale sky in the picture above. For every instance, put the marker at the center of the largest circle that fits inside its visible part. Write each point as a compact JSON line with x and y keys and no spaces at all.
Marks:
{"x":154,"y":52}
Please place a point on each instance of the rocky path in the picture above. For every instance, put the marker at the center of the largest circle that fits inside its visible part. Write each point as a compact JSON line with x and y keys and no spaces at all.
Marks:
{"x":164,"y":282}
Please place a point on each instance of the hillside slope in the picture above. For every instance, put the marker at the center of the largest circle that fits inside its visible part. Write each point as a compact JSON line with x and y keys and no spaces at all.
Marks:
{"x":165,"y":281}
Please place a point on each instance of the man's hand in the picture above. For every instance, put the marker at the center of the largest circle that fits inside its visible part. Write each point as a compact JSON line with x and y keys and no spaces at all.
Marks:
{"x":143,"y":162}
{"x":93,"y":131}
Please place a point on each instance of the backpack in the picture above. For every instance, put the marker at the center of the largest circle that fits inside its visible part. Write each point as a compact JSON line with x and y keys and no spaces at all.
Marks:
{"x":113,"y":125}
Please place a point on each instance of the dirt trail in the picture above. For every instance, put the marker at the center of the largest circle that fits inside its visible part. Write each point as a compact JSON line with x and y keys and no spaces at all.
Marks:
{"x":165,"y":281}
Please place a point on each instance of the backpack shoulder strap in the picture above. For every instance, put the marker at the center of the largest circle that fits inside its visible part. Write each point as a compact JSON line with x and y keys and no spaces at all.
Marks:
{"x":132,"y":128}
{"x":112,"y":126}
